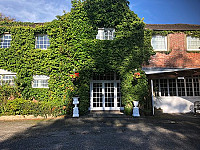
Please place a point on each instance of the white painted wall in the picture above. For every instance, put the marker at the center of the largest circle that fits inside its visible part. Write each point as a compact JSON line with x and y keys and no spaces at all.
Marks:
{"x":175,"y":104}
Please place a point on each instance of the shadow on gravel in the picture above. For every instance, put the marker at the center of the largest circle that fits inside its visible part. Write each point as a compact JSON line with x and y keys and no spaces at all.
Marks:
{"x":159,"y":132}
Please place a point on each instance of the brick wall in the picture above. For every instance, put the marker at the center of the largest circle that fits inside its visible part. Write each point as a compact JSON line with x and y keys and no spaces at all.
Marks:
{"x":178,"y":57}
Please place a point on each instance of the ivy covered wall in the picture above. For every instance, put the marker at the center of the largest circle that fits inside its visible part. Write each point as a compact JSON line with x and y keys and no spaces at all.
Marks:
{"x":73,"y":45}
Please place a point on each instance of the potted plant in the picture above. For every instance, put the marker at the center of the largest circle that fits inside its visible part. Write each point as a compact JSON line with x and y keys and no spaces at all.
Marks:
{"x":74,"y":76}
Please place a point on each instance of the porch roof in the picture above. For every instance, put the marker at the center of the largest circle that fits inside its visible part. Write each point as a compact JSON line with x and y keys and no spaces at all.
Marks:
{"x":153,"y":73}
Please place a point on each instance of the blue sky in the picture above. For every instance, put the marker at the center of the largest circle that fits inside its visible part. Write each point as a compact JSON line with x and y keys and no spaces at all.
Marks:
{"x":153,"y":11}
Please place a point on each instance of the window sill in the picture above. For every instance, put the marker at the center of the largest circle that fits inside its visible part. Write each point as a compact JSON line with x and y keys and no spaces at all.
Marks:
{"x":40,"y":87}
{"x":191,"y":50}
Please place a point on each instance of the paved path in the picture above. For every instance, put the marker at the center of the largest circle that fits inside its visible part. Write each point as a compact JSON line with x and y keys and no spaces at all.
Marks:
{"x":159,"y":132}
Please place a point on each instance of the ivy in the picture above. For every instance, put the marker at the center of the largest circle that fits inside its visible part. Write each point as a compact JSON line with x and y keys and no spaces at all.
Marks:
{"x":73,"y":45}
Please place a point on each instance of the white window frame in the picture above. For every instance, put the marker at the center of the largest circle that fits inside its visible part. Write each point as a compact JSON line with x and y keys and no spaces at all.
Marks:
{"x":103,"y":79}
{"x":2,"y":40}
{"x":181,"y":91}
{"x":160,"y":49}
{"x":9,"y":80}
{"x":4,"y":74}
{"x":44,"y":43}
{"x":101,"y":33}
{"x":189,"y":38}
{"x":38,"y":81}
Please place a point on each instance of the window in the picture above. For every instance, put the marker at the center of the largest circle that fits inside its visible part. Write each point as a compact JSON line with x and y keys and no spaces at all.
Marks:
{"x":163,"y":87}
{"x":193,"y":43}
{"x":42,"y":42}
{"x":181,"y":87}
{"x":159,"y":43}
{"x":105,"y":34}
{"x":107,"y":76}
{"x":172,"y":87}
{"x":5,"y":40}
{"x":196,"y":82}
{"x":7,"y":79}
{"x":189,"y":86}
{"x":40,"y":81}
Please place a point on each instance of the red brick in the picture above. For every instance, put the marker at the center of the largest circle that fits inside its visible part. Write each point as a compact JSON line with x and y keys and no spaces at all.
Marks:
{"x":178,"y":57}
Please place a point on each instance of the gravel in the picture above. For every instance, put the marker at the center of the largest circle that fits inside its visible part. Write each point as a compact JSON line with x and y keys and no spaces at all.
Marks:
{"x":166,"y":131}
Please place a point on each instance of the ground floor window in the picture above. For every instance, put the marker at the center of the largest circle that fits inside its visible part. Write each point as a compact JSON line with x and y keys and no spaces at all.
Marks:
{"x":40,"y":81}
{"x":7,"y":79}
{"x":188,"y":86}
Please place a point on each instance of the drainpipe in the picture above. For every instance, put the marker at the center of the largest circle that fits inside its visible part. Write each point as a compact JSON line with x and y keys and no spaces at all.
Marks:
{"x":152,"y":96}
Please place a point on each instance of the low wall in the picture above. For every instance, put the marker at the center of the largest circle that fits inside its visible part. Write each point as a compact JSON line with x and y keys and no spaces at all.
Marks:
{"x":175,"y":104}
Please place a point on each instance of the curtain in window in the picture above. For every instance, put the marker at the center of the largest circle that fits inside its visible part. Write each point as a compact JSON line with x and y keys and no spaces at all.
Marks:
{"x":159,"y":42}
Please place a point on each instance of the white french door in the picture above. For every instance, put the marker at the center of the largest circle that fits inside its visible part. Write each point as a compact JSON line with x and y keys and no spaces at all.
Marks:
{"x":105,"y":95}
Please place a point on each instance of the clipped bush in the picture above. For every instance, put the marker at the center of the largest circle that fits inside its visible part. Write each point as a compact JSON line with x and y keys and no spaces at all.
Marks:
{"x":20,"y":106}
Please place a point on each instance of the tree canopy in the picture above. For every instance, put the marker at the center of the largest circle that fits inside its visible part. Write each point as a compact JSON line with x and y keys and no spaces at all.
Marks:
{"x":6,"y":19}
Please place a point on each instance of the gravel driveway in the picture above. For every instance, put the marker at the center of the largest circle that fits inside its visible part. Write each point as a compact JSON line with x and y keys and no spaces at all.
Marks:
{"x":177,"y":131}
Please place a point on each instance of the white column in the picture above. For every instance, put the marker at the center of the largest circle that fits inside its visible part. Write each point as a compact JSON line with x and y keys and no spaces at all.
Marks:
{"x":152,"y":95}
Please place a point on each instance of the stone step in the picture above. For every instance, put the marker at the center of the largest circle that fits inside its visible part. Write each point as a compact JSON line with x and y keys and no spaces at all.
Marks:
{"x":107,"y":114}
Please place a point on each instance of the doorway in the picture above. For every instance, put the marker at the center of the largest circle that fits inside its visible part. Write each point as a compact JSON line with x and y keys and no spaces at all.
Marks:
{"x":105,"y":94}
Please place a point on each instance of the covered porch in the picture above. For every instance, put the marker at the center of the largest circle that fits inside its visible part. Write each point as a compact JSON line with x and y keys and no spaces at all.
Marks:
{"x":174,"y":90}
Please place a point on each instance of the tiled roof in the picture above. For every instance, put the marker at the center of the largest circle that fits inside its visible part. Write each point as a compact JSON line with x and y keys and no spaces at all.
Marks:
{"x":178,"y":27}
{"x":30,"y":24}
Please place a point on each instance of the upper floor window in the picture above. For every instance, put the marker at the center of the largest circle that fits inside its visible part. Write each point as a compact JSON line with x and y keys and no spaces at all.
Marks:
{"x":42,"y":42}
{"x":193,"y":43}
{"x":7,"y":79}
{"x":105,"y":34}
{"x":5,"y":40}
{"x":40,"y":81}
{"x":159,"y":42}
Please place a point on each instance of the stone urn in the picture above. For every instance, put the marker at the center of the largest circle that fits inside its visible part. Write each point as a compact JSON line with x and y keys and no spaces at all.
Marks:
{"x":75,"y":109}
{"x":136,"y":109}
{"x":135,"y":103}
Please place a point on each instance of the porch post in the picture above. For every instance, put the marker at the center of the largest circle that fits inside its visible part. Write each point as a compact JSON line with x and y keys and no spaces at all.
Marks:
{"x":152,"y":96}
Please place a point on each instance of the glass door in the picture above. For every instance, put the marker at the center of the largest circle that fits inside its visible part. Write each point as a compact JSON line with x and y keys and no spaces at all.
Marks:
{"x":105,"y":95}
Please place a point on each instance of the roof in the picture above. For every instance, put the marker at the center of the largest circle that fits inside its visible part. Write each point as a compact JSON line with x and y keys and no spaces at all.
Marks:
{"x":29,"y":24}
{"x":159,"y":27}
{"x":178,"y":27}
{"x":149,"y":71}
{"x":171,"y":73}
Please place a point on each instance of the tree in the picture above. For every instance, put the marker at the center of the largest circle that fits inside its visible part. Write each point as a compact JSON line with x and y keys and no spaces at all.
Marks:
{"x":6,"y":19}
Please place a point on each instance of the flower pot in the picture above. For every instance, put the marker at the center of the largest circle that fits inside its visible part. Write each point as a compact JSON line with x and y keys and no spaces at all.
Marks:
{"x":135,"y":103}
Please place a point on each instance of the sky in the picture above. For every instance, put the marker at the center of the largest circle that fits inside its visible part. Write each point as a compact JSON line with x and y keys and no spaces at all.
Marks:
{"x":153,"y":11}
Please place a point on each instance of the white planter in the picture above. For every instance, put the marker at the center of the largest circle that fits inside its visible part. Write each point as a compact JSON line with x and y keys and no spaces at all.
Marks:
{"x":136,"y":109}
{"x":75,"y":109}
{"x":75,"y":100}
{"x":135,"y":103}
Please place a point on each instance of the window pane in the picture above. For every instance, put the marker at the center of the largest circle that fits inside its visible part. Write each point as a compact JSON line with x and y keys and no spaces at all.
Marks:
{"x":40,"y":81}
{"x":8,"y":79}
{"x":163,"y":87}
{"x":189,"y":86}
{"x":172,"y":87}
{"x":5,"y":41}
{"x":159,"y":42}
{"x":181,"y":87}
{"x":196,"y":82}
{"x":193,"y":43}
{"x":42,"y":42}
{"x":105,"y":34}
{"x":156,"y":87}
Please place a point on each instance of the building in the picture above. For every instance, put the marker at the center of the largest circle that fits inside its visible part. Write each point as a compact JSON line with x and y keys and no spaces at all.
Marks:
{"x":174,"y":70}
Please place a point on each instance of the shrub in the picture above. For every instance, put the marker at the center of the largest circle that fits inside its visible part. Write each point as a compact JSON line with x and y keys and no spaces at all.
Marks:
{"x":20,"y":106}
